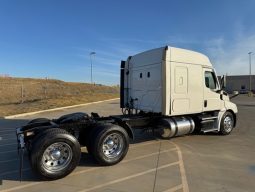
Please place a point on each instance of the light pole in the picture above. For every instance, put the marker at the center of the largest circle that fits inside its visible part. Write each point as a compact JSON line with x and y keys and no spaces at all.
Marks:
{"x":250,"y":53}
{"x":91,"y":76}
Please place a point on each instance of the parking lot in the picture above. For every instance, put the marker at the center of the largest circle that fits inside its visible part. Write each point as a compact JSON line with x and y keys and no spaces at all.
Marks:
{"x":204,"y":162}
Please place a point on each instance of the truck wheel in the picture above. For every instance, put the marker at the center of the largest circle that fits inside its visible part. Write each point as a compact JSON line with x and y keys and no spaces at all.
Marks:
{"x":109,"y":144}
{"x":55,"y":154}
{"x":227,"y":123}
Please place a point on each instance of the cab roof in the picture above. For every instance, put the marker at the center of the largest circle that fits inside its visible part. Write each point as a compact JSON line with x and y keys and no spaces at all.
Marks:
{"x":172,"y":54}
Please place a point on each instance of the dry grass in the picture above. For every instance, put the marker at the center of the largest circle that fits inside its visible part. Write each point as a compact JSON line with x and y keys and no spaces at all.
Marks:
{"x":40,"y":94}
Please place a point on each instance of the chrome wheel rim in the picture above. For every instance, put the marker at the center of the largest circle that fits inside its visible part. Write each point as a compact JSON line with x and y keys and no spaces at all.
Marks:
{"x":228,"y":124}
{"x":113,"y":145}
{"x":57,"y":157}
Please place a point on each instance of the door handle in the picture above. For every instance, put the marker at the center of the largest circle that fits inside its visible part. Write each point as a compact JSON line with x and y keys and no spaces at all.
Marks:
{"x":205,"y":103}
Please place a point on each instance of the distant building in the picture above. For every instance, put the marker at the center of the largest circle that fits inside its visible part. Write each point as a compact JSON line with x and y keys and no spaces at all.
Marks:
{"x":240,"y":83}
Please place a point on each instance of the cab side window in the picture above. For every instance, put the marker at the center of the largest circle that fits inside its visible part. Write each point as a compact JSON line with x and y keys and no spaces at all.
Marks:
{"x":210,"y":81}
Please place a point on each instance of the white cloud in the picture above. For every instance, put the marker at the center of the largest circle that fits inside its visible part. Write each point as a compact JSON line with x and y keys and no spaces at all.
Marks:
{"x":227,"y":56}
{"x":231,"y":57}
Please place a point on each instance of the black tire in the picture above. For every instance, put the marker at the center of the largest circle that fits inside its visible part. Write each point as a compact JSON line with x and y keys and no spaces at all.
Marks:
{"x":227,"y":123}
{"x":108,"y":144}
{"x":58,"y":143}
{"x":34,"y":140}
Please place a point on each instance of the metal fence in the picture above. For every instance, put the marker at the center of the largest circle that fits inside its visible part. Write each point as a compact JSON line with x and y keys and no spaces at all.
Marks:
{"x":19,"y":93}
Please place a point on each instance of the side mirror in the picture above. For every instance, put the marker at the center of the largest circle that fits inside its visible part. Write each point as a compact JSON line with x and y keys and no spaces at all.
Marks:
{"x":235,"y":93}
{"x":223,"y":82}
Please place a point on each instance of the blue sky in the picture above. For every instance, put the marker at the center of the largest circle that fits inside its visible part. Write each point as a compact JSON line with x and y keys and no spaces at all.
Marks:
{"x":53,"y":38}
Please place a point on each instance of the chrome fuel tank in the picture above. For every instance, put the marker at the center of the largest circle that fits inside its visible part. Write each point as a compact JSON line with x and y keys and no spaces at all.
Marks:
{"x":175,"y":126}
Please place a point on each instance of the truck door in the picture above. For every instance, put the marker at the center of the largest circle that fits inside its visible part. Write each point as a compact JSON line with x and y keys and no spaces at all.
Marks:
{"x":212,"y":99}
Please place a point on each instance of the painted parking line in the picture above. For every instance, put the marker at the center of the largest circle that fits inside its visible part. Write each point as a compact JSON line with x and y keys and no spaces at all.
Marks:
{"x":130,"y":177}
{"x":182,"y":169}
{"x":85,"y":171}
{"x":173,"y":189}
{"x":95,"y":168}
{"x":148,"y":155}
{"x":22,"y":186}
{"x":124,"y":161}
{"x":143,"y":144}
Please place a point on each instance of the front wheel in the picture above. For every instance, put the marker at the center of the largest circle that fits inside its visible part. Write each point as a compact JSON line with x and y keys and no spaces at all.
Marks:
{"x":227,"y":123}
{"x":109,"y":144}
{"x":55,"y":153}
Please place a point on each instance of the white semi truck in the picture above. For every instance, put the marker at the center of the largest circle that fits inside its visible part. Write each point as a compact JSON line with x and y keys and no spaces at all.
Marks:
{"x":170,"y":90}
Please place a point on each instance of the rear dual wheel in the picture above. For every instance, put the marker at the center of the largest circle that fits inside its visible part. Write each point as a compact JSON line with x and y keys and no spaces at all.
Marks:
{"x":55,"y":153}
{"x":108,"y":144}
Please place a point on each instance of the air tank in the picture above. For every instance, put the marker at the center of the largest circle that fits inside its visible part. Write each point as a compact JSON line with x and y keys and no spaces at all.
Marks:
{"x":175,"y":126}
